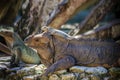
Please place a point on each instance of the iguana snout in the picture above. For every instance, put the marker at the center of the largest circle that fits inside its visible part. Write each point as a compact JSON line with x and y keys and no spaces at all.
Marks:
{"x":39,"y":40}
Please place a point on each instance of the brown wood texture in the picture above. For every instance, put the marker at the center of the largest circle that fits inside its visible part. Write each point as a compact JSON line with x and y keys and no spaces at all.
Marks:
{"x":68,"y":10}
{"x":96,"y":15}
{"x":5,"y":49}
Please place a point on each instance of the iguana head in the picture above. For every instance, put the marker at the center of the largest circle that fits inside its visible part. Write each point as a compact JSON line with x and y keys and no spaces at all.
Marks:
{"x":38,"y":40}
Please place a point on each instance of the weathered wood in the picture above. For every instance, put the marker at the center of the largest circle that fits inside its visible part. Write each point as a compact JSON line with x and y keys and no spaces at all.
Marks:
{"x":5,"y":49}
{"x":96,"y":15}
{"x":7,"y":35}
{"x":66,"y":10}
{"x":35,"y":13}
{"x":8,"y":11}
{"x":6,"y":32}
{"x":110,"y":30}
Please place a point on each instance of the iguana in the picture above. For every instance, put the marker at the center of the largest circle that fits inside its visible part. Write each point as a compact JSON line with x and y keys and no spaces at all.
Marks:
{"x":57,"y":52}
{"x":18,"y":48}
{"x":22,"y":52}
{"x":55,"y":32}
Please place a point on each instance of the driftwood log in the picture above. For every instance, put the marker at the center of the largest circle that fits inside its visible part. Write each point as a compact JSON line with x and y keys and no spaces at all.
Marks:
{"x":66,"y":10}
{"x":109,"y":31}
{"x":96,"y":15}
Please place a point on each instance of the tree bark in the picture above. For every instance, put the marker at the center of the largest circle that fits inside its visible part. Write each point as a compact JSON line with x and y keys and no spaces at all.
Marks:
{"x":96,"y":15}
{"x":8,"y":11}
{"x":65,"y":11}
{"x":34,"y":15}
{"x":110,"y":30}
{"x":5,"y":49}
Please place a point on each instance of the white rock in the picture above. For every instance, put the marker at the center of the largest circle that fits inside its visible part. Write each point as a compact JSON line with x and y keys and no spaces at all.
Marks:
{"x":79,"y":69}
{"x":5,"y":59}
{"x":85,"y":78}
{"x":61,"y":72}
{"x":69,"y":76}
{"x":82,"y":75}
{"x":40,"y":69}
{"x":54,"y":77}
{"x":28,"y":78}
{"x":95,"y":77}
{"x":96,"y":70}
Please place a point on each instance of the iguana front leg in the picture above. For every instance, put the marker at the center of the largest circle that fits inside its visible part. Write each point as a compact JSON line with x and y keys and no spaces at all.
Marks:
{"x":14,"y":61}
{"x":63,"y":63}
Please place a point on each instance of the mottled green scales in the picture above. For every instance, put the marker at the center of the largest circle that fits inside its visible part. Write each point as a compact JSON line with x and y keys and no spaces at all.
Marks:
{"x":23,"y":52}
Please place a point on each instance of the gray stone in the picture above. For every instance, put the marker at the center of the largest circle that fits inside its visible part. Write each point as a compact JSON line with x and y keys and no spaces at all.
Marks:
{"x":106,"y":78}
{"x":33,"y":72}
{"x":95,"y":77}
{"x":86,"y":78}
{"x":43,"y":78}
{"x":114,"y":72}
{"x":77,"y":75}
{"x":61,"y":72}
{"x":28,"y":78}
{"x":69,"y":76}
{"x":5,"y":59}
{"x":3,"y":66}
{"x":31,"y":77}
{"x":40,"y":69}
{"x":54,"y":77}
{"x":78,"y":69}
{"x":27,"y":71}
{"x":96,"y":70}
{"x":82,"y":75}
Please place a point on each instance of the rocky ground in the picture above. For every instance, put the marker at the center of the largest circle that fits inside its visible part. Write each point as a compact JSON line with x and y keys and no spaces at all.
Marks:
{"x":33,"y":72}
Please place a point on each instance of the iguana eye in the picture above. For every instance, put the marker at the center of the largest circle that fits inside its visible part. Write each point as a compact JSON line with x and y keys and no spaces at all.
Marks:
{"x":36,"y":40}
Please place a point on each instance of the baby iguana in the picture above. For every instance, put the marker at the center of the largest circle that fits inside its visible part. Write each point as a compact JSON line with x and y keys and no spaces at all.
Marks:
{"x":56,"y":32}
{"x":22,"y":52}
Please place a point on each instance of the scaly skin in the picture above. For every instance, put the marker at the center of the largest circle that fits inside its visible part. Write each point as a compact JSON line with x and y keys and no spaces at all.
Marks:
{"x":23,"y":52}
{"x":59,"y":53}
{"x":18,"y":48}
{"x":55,"y":32}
